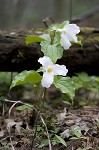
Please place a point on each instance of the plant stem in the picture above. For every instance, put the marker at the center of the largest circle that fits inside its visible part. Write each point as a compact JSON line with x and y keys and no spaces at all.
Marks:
{"x":41,"y":99}
{"x":34,"y":136}
{"x":49,"y":142}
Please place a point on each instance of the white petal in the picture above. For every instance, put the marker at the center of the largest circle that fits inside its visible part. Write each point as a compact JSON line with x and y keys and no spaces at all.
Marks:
{"x":47,"y":79}
{"x":45,"y":61}
{"x":65,"y":42}
{"x":72,"y":37}
{"x":73,"y":28}
{"x":60,"y":70}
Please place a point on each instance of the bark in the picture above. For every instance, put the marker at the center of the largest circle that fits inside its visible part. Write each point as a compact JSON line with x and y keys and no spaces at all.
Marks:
{"x":16,"y":56}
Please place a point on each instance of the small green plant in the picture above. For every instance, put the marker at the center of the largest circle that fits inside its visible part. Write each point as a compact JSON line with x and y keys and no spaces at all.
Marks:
{"x":83,"y":80}
{"x":55,"y":139}
{"x":6,"y":145}
{"x":77,"y":133}
{"x":89,"y":84}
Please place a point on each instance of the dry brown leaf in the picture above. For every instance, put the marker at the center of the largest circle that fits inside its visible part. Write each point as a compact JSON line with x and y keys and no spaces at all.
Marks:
{"x":2,"y":133}
{"x":62,"y":116}
{"x":65,"y":134}
{"x":10,"y":123}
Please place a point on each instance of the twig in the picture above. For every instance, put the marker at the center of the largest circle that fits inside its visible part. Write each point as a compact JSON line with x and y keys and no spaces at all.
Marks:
{"x":10,"y":140}
{"x":49,"y":142}
{"x":16,"y":102}
{"x":4,"y":139}
{"x":12,"y":108}
{"x":45,"y":23}
{"x":46,"y":20}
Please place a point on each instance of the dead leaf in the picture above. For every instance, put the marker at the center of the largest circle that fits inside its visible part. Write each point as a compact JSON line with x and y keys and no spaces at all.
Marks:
{"x":62,"y":116}
{"x":70,"y":122}
{"x":65,"y":134}
{"x":18,"y":126}
{"x":1,"y":133}
{"x":10,"y":123}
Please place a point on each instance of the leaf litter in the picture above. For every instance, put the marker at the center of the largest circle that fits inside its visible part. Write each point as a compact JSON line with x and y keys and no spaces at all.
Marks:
{"x":79,"y":128}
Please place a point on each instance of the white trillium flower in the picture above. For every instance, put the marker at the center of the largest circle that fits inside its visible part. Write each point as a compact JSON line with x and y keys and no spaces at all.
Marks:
{"x":51,"y":70}
{"x":68,"y":34}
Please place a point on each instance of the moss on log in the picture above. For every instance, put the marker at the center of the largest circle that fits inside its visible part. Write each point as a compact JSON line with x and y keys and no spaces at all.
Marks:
{"x":16,"y":56}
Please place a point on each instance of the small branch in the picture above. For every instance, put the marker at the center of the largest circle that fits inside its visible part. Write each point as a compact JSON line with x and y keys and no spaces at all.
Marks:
{"x":12,"y":108}
{"x":50,"y":147}
{"x":45,"y":23}
{"x":47,"y":20}
{"x":16,"y":102}
{"x":9,"y":132}
{"x":4,"y":138}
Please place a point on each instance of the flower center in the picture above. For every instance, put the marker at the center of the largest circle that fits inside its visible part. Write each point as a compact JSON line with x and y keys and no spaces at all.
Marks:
{"x":50,"y":70}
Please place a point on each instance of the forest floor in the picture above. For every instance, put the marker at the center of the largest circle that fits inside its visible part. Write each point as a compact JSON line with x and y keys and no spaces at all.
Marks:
{"x":70,"y":128}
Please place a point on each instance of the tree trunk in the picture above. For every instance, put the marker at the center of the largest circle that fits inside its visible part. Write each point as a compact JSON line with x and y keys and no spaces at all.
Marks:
{"x":16,"y":56}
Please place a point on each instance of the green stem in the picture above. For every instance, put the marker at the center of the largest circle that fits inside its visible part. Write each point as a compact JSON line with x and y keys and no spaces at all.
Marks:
{"x":72,"y":102}
{"x":35,"y":132}
{"x":52,"y":38}
{"x":41,"y":99}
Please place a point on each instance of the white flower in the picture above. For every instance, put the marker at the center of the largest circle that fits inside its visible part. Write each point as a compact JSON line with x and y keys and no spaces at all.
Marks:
{"x":51,"y":70}
{"x":68,"y":34}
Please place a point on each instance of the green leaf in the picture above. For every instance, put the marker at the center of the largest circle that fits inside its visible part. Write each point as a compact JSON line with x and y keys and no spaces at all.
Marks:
{"x":82,"y":103}
{"x":77,"y":82}
{"x":33,"y":38}
{"x":77,"y":133}
{"x":40,"y":69}
{"x":78,"y":43}
{"x":74,"y":138}
{"x":66,"y":85}
{"x":83,"y":76}
{"x":93,"y":85}
{"x":63,"y":24}
{"x":53,"y":51}
{"x":46,"y":37}
{"x":56,"y":26}
{"x":83,"y":137}
{"x":62,"y":141}
{"x":96,"y":79}
{"x":26,"y":77}
{"x":43,"y":143}
{"x":66,"y":102}
{"x":82,"y":80}
{"x":57,"y":38}
{"x":24,"y":107}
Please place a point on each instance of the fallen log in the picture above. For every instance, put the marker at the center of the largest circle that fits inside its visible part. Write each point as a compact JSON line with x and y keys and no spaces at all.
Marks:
{"x":16,"y":56}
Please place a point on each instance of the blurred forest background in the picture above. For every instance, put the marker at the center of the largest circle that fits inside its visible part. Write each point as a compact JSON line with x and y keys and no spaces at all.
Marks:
{"x":30,"y":13}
